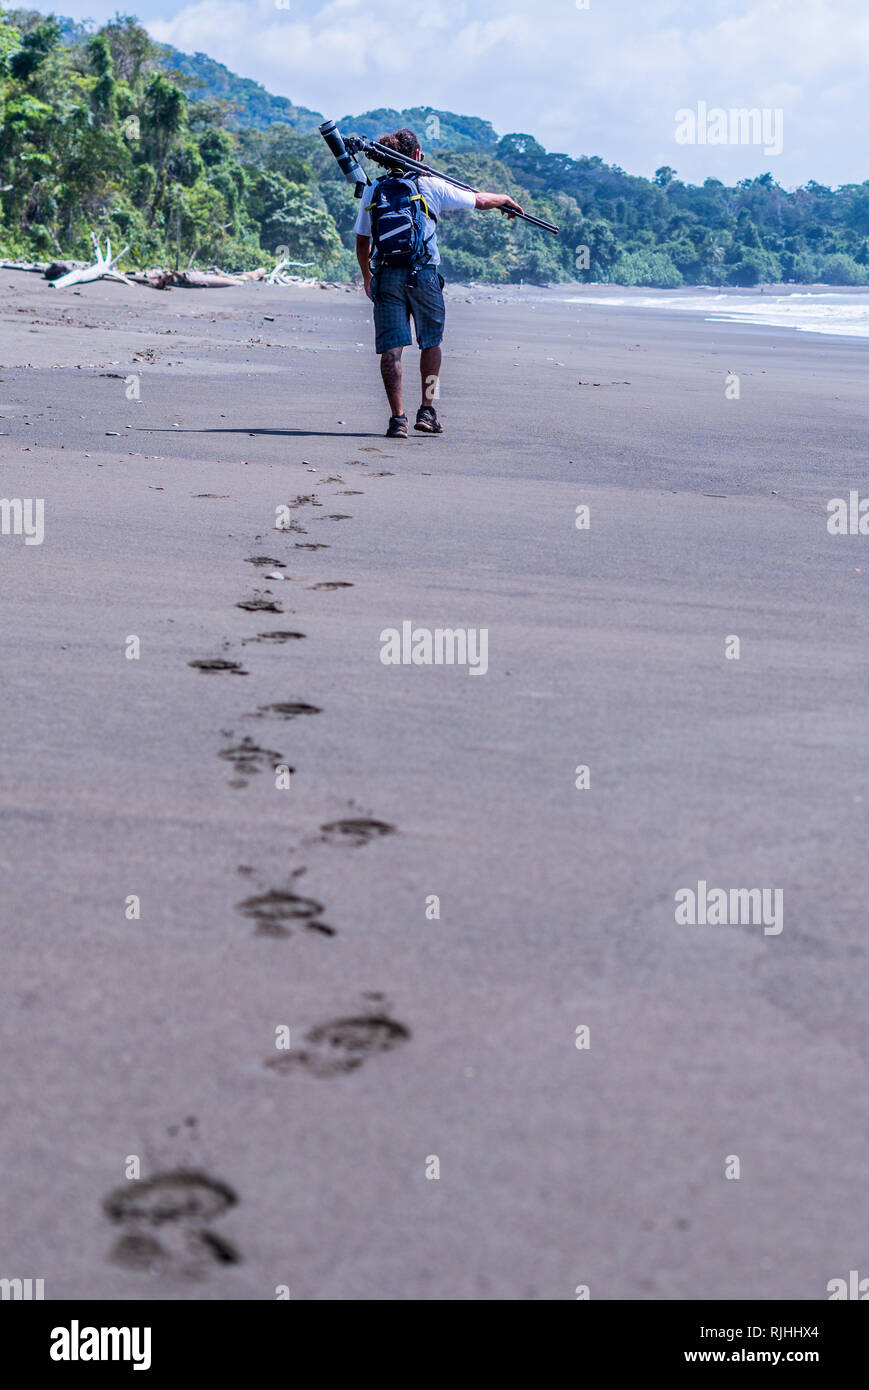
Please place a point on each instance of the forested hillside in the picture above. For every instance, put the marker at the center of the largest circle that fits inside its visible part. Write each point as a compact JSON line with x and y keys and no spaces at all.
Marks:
{"x":189,"y":164}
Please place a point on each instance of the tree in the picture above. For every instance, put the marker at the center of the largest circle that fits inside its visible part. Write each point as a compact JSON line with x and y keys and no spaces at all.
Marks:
{"x":509,"y":146}
{"x":35,"y":48}
{"x":132,"y":50}
{"x":164,"y":115}
{"x":104,"y":97}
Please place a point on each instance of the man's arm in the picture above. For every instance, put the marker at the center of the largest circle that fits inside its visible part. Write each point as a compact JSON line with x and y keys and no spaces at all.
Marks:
{"x":363,"y":256}
{"x":486,"y":202}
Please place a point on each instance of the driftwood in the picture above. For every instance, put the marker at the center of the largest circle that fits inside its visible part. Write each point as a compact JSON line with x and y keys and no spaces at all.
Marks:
{"x":205,"y":279}
{"x":38,"y":266}
{"x":54,"y":269}
{"x":63,"y":273}
{"x":279,"y":275}
{"x":156,"y":279}
{"x":104,"y":266}
{"x":198,"y":279}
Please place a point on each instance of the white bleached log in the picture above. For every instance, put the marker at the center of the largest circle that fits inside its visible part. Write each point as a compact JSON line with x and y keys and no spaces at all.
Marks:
{"x":279,"y":275}
{"x":103,"y":268}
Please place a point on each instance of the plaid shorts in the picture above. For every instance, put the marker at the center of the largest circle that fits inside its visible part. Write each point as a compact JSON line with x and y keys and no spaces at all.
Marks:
{"x":399,"y":294}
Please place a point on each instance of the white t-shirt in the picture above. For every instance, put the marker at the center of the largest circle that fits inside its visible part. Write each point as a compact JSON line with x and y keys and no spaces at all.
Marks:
{"x":440,"y":197}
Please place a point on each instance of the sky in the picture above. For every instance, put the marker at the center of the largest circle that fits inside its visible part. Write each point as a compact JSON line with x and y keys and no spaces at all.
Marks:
{"x":614,"y":78}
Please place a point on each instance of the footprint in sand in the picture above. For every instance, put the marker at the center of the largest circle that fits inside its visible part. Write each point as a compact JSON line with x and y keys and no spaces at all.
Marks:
{"x":311,"y":545}
{"x":336,"y":516}
{"x":163,"y":1222}
{"x":342,"y":1045}
{"x":258,"y":604}
{"x":332,"y":584}
{"x":217,"y":664}
{"x":266,"y":560}
{"x":277,"y":636}
{"x":278,"y":911}
{"x":248,"y":759}
{"x":288,"y":709}
{"x":354,"y":832}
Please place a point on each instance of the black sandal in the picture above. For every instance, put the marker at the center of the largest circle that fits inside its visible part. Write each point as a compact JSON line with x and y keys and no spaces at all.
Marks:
{"x":427,"y":420}
{"x":397,"y":427}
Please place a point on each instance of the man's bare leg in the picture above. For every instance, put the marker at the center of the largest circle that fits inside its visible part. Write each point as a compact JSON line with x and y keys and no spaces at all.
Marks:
{"x":390,"y":370}
{"x":430,"y":370}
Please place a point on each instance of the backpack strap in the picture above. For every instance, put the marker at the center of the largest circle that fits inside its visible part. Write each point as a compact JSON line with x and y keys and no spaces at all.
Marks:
{"x":428,"y":211}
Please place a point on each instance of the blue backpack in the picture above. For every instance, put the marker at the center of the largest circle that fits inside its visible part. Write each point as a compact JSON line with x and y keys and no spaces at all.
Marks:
{"x":399,"y":215}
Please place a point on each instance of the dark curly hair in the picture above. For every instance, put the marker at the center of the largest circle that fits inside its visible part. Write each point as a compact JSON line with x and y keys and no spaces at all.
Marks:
{"x":402,"y":141}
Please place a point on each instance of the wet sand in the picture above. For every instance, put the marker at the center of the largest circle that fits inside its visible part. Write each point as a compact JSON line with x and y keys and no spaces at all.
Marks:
{"x":415,"y":1037}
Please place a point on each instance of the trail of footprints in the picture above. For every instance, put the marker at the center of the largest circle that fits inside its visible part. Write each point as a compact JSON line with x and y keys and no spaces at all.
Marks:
{"x":278,"y":912}
{"x":281,"y":911}
{"x":165,"y":1223}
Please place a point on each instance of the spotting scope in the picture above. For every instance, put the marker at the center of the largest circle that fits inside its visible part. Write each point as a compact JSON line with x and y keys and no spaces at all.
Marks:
{"x":347,"y":164}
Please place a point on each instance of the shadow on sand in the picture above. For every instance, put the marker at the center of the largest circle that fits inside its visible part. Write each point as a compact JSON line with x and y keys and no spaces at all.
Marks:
{"x":298,"y":434}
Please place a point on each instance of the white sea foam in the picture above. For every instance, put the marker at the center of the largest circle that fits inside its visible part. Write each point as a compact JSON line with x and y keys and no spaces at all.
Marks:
{"x":842,"y":314}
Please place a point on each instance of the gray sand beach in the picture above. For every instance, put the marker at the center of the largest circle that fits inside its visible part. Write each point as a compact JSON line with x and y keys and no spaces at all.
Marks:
{"x":416,"y":1037}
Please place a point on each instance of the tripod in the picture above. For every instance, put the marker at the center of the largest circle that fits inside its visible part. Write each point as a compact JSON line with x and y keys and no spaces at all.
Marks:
{"x":391,"y":159}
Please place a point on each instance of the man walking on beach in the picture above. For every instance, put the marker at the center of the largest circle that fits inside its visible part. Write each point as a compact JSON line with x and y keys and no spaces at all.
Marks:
{"x":397,"y":250}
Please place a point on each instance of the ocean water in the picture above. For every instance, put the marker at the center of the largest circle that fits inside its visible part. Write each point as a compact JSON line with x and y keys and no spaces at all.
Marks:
{"x":843,"y":314}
